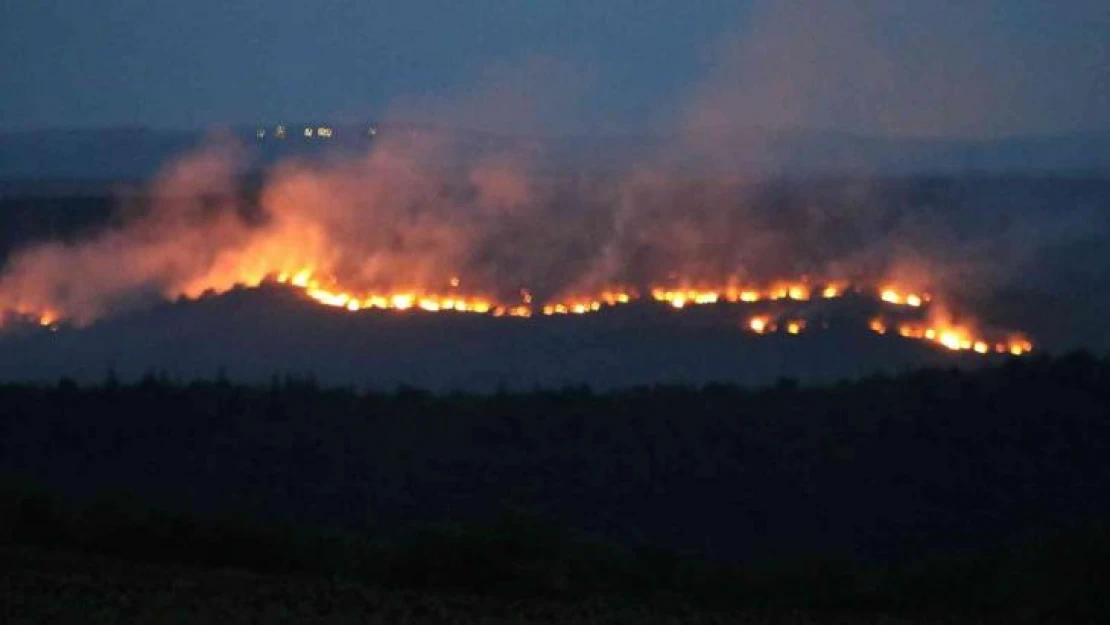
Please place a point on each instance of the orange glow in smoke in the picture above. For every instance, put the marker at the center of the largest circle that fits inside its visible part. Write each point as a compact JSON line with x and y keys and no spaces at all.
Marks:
{"x":375,"y":236}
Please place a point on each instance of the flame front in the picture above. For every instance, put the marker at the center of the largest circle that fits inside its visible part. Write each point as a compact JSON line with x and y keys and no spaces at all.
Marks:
{"x":956,"y":337}
{"x":938,"y":330}
{"x":796,"y":291}
{"x":387,"y":231}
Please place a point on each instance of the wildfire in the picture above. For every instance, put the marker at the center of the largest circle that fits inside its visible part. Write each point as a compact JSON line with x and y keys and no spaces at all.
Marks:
{"x":324,"y":291}
{"x":679,"y":299}
{"x":832,"y":291}
{"x":400,"y":301}
{"x":760,"y":325}
{"x":386,"y":232}
{"x":46,"y":318}
{"x":956,"y":338}
{"x":894,"y":296}
{"x":403,"y":300}
{"x":765,"y":324}
{"x":797,"y":291}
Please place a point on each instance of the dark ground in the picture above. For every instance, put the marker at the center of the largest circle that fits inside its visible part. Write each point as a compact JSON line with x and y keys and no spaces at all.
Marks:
{"x":967,"y":490}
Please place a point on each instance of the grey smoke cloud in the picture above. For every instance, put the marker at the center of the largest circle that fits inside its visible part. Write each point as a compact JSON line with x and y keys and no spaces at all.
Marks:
{"x":397,"y":217}
{"x":900,"y":67}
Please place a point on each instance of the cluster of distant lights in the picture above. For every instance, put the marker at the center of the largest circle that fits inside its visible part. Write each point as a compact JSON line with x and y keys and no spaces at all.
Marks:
{"x":951,"y":337}
{"x":281,"y":131}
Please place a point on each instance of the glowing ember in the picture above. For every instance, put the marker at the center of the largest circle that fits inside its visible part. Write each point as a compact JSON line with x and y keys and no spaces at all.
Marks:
{"x":759,"y":325}
{"x":582,"y":305}
{"x":798,"y":292}
{"x":894,"y":296}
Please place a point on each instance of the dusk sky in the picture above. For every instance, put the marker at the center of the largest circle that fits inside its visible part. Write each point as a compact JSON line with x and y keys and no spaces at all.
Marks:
{"x":915,"y":68}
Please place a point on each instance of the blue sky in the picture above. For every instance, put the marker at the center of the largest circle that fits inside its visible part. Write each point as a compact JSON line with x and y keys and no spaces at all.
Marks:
{"x":986,"y":67}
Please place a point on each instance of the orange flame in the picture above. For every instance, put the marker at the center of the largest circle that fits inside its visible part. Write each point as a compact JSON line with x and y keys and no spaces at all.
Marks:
{"x":938,"y":330}
{"x":955,"y":337}
{"x":877,"y":326}
{"x":760,"y":325}
{"x":894,"y":296}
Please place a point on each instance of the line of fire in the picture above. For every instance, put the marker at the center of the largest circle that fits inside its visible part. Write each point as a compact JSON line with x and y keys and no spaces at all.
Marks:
{"x":784,"y":307}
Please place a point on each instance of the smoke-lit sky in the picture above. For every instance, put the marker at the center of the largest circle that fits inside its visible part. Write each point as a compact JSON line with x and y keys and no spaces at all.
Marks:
{"x":984,"y":67}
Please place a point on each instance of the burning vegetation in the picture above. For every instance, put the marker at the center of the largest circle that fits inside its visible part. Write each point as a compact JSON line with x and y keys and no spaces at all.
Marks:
{"x":934,"y":328}
{"x":389,"y":232}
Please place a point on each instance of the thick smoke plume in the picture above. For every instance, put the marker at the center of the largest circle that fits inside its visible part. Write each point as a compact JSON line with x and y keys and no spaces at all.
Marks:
{"x":396,"y":220}
{"x":404,"y":217}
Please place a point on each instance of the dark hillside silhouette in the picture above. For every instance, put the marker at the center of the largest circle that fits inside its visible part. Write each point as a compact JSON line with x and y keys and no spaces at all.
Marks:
{"x":869,"y":469}
{"x":937,"y":489}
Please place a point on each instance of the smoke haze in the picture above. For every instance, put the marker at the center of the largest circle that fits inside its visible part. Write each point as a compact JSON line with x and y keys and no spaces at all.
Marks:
{"x":411,"y":213}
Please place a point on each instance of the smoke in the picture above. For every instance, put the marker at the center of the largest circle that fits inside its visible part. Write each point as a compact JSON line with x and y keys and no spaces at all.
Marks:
{"x":904,"y":68}
{"x":431,"y":211}
{"x":393,"y":220}
{"x":525,"y":96}
{"x":195,"y":216}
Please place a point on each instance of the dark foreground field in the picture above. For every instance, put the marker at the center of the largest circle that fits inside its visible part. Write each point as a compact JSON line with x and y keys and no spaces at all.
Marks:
{"x":940,"y":492}
{"x":47,"y":587}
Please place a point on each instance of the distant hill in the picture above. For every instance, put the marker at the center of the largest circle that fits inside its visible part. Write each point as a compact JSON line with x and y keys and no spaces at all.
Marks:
{"x":252,"y":335}
{"x":124,"y":153}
